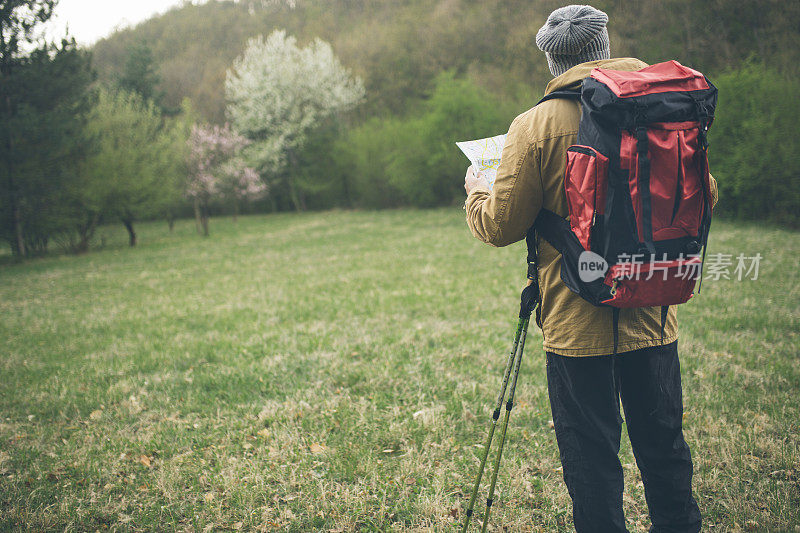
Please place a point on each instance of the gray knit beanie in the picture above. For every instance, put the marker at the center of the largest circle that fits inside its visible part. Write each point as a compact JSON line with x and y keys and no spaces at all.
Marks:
{"x":573,"y":35}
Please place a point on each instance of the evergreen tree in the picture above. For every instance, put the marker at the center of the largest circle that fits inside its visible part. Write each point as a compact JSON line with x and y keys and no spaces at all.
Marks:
{"x":51,"y":91}
{"x":140,"y":74}
{"x":43,"y":100}
{"x":18,"y":21}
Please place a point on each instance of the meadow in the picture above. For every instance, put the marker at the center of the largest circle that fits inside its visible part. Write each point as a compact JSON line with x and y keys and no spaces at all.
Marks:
{"x":336,"y":371}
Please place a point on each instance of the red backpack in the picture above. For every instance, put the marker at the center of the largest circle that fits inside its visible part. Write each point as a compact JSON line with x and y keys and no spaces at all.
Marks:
{"x":637,"y":188}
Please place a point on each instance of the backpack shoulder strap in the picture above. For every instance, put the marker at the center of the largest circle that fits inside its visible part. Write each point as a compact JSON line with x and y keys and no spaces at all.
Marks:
{"x":547,"y":224}
{"x":567,"y":94}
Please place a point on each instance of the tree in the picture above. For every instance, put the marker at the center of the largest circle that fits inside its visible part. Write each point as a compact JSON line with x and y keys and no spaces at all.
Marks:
{"x":44,"y":97}
{"x":133,"y":161}
{"x":240,"y":183}
{"x":174,"y":199}
{"x":217,"y":171}
{"x":48,"y":97}
{"x":18,"y":21}
{"x":278,"y":93}
{"x":140,"y":74}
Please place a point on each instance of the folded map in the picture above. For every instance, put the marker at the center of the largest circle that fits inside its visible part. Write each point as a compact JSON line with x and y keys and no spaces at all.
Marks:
{"x":484,"y":154}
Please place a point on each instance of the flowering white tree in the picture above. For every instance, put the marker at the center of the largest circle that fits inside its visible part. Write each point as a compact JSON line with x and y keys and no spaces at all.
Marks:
{"x":216,"y":170}
{"x":278,"y":93}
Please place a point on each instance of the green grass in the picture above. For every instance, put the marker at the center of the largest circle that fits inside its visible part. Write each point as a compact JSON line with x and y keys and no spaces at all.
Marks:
{"x":336,"y":371}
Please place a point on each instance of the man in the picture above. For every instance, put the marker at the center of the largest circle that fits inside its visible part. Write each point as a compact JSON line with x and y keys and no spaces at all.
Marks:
{"x":585,"y":380}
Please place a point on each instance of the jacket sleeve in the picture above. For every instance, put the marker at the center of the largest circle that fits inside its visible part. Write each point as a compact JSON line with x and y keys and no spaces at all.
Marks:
{"x":503,"y":215}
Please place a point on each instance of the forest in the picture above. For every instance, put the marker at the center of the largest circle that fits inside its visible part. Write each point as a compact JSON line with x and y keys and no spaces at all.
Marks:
{"x":143,"y":125}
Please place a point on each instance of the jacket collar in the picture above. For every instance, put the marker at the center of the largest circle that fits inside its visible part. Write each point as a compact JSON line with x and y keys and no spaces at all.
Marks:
{"x":573,"y":77}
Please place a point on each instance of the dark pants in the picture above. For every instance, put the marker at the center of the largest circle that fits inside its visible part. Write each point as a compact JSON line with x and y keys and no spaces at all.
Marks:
{"x":584,"y":399}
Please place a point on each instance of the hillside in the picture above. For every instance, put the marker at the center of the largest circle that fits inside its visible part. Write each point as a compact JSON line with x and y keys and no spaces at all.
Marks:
{"x":398,"y":47}
{"x":443,"y":71}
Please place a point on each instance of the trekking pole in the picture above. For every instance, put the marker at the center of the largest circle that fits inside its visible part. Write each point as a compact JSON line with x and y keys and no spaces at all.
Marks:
{"x":509,"y":406}
{"x":493,"y":425}
{"x":528,"y":302}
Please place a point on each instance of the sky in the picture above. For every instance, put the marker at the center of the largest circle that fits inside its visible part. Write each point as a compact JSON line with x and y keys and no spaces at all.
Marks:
{"x":90,"y":20}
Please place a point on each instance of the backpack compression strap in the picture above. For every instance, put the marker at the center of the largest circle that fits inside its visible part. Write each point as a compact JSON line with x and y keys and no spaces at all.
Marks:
{"x":642,"y":145}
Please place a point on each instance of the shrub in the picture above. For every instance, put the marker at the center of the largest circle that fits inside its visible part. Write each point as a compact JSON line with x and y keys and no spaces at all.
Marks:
{"x":413,"y":160}
{"x":755,"y":147}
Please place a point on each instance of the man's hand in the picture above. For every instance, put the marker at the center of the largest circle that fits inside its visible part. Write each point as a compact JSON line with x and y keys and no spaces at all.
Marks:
{"x":473,"y":179}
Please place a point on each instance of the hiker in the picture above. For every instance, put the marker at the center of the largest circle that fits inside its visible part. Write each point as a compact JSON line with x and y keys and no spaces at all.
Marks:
{"x":590,"y":364}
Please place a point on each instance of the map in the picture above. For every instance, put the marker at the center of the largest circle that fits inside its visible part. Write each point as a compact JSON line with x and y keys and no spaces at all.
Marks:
{"x":484,"y":154}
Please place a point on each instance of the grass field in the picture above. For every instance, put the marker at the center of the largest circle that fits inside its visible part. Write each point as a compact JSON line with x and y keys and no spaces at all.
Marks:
{"x":335,"y":371}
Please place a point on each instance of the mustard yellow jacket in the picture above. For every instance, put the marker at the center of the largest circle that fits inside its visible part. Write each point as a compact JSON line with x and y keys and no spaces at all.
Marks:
{"x":531,"y":177}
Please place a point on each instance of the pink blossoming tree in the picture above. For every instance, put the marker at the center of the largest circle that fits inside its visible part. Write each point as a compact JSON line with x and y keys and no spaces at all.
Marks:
{"x":217,"y":172}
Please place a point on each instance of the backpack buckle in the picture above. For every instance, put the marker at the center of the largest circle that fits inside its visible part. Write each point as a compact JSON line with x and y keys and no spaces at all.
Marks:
{"x":703,"y":137}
